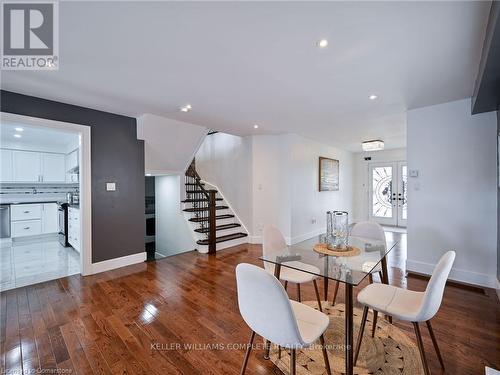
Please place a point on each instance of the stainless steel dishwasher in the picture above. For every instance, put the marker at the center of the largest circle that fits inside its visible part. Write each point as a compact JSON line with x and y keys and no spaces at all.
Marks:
{"x":4,"y":220}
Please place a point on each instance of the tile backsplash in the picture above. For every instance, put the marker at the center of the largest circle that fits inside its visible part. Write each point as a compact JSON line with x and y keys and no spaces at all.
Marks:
{"x":38,"y":190}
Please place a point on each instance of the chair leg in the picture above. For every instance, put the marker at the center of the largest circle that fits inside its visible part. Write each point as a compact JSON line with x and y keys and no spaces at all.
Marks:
{"x":286,"y":284}
{"x":298,"y":293}
{"x":374,"y":325}
{"x":370,"y":278}
{"x":335,"y":291}
{"x":292,"y":361}
{"x":317,"y":295}
{"x":421,"y":348}
{"x":325,"y":355}
{"x":434,"y":342}
{"x":247,"y":355}
{"x":360,"y":335}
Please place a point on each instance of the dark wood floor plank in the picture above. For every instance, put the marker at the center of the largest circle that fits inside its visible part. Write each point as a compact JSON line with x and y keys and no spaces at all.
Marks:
{"x":12,"y":349}
{"x":110,"y":323}
{"x":31,"y":361}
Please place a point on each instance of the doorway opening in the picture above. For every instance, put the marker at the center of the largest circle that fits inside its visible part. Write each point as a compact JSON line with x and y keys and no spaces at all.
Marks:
{"x":45,"y":200}
{"x":388,"y":198}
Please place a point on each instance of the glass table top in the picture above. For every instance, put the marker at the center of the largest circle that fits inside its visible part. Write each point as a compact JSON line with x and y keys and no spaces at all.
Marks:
{"x":346,"y":269}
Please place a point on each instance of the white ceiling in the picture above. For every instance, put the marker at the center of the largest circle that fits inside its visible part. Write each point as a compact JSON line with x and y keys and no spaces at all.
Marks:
{"x":246,"y":63}
{"x":37,"y":138}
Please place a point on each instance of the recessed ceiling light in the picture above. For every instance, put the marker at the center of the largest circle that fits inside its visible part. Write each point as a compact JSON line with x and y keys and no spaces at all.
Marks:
{"x":19,"y":129}
{"x":373,"y":97}
{"x":148,"y":174}
{"x":322,"y":43}
{"x":186,"y":108}
{"x":17,"y":135}
{"x":256,"y":126}
{"x":375,"y":145}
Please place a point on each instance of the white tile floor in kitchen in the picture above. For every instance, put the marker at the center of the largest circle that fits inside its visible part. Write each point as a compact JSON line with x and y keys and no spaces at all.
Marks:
{"x":30,"y":262}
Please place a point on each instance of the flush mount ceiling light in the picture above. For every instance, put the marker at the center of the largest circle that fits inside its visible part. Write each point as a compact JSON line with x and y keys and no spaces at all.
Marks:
{"x":17,"y":135}
{"x":373,"y":97}
{"x":375,"y":145}
{"x":256,"y":126}
{"x":19,"y":129}
{"x":148,"y":174}
{"x":186,"y":108}
{"x":322,"y":43}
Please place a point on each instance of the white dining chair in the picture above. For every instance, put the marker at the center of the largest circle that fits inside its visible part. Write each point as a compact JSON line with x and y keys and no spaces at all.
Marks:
{"x":407,"y":305}
{"x":372,"y":231}
{"x":267,"y":310}
{"x":274,"y":242}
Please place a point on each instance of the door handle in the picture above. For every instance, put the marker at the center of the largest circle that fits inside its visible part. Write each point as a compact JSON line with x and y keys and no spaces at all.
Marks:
{"x":26,"y":228}
{"x":26,"y":212}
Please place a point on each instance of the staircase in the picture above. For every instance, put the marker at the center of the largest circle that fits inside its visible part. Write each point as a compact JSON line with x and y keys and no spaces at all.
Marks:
{"x":214,"y":224}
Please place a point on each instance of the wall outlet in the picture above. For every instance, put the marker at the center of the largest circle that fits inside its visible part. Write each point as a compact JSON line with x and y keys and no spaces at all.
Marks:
{"x":110,"y":186}
{"x":313,"y":220}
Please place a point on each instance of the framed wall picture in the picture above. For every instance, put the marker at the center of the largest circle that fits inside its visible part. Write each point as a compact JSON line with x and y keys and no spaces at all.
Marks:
{"x":328,"y":174}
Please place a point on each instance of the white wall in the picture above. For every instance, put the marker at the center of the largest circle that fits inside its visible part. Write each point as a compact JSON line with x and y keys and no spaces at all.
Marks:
{"x":225,"y":161}
{"x":273,"y":180}
{"x":360,"y":177}
{"x":452,"y":204}
{"x":169,"y":145}
{"x":285,"y":185}
{"x":272,"y":185}
{"x":309,"y":205}
{"x":173,"y":235}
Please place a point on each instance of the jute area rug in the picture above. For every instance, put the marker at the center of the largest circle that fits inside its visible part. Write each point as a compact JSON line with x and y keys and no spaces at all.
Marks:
{"x":390,"y":352}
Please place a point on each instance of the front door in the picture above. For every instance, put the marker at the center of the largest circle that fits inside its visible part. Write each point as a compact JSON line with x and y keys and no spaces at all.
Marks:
{"x":387,"y":193}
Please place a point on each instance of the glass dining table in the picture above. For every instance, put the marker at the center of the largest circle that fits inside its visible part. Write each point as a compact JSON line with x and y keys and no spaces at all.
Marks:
{"x":349,"y":270}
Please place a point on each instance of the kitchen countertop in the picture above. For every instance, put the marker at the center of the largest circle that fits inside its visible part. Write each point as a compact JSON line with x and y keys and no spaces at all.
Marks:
{"x":31,"y":198}
{"x":27,"y":201}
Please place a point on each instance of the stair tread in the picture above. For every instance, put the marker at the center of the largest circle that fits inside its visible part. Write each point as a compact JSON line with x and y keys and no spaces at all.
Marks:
{"x":199,"y":200}
{"x":228,"y":237}
{"x":218,"y":217}
{"x":218,"y":227}
{"x":199,"y":209}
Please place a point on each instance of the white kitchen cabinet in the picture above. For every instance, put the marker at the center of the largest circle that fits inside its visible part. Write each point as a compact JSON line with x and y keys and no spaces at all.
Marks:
{"x":50,"y":218}
{"x":72,"y":161}
{"x":53,"y":167}
{"x":26,"y":211}
{"x":26,"y":166}
{"x":30,"y":166}
{"x":6,"y":165}
{"x":33,"y":219}
{"x":26,"y":228}
{"x":74,"y":227}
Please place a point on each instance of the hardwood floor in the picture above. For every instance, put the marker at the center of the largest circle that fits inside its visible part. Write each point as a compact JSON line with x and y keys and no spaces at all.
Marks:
{"x":179,"y":315}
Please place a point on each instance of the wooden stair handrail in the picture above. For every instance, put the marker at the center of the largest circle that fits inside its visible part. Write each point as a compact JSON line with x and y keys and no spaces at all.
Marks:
{"x":211,"y":197}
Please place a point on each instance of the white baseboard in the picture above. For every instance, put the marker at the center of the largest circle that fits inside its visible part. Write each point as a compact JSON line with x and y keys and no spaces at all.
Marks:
{"x":255,"y":239}
{"x":498,"y":289}
{"x":112,"y":264}
{"x":480,"y":279}
{"x":307,"y":236}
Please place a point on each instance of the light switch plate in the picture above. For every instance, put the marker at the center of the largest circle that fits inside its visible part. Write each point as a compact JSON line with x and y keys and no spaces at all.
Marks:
{"x":110,"y":186}
{"x":413,"y":172}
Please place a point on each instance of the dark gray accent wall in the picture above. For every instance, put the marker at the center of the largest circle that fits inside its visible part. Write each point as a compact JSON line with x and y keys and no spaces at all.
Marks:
{"x":118,"y":222}
{"x":486,"y":96}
